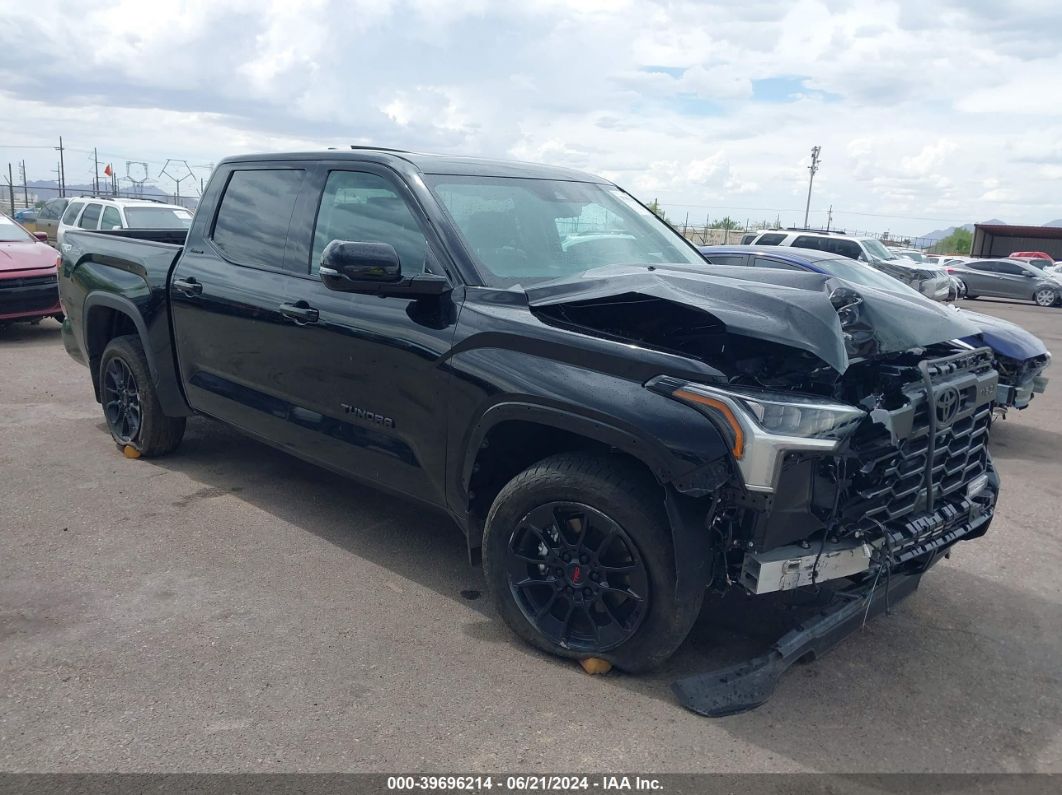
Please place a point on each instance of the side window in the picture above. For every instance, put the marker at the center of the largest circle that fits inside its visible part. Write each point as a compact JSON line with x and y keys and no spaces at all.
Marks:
{"x":91,"y":217}
{"x":366,"y":208}
{"x":763,"y":262}
{"x":846,"y":248}
{"x":807,"y":241}
{"x":1010,"y":268}
{"x":112,"y":219}
{"x":727,"y":259}
{"x":71,"y":213}
{"x":252,"y":223}
{"x":770,"y":240}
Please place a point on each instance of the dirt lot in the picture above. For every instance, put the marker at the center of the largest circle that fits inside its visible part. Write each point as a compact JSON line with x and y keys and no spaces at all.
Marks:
{"x":231,"y":608}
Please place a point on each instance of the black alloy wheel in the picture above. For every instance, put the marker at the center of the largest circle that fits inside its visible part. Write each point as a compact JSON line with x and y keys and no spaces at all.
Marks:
{"x":121,"y":401}
{"x":577,"y":577}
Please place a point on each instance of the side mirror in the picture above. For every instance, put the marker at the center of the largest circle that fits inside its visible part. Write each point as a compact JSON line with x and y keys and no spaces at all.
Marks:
{"x":374,"y":269}
{"x":41,"y":236}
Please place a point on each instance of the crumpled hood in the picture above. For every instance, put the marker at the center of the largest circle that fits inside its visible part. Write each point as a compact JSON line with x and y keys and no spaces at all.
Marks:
{"x":785,"y":307}
{"x":1003,"y":337}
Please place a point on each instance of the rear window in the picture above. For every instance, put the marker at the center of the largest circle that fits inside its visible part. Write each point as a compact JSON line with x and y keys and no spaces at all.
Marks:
{"x":157,"y":218}
{"x":252,"y":224}
{"x":727,"y":259}
{"x":770,"y":240}
{"x":834,"y":245}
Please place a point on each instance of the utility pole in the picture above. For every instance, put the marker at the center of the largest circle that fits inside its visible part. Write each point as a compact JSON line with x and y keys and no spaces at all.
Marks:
{"x":96,"y":171}
{"x":25,"y":187}
{"x":829,"y":217}
{"x":11,"y":188}
{"x":813,"y":168}
{"x":62,"y":169}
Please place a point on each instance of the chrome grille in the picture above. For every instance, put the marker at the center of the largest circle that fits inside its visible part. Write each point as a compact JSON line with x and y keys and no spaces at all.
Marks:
{"x":896,"y":480}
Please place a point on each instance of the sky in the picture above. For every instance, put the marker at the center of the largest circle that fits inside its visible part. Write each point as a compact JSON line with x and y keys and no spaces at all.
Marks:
{"x":928,"y":113}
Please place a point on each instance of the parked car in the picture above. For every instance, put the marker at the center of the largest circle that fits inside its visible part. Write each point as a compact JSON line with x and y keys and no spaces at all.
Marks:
{"x":615,"y":425}
{"x":48,"y":218}
{"x":1020,"y":357}
{"x":1042,"y":263}
{"x":110,"y":214}
{"x":912,"y":254}
{"x":1031,"y":255}
{"x":26,"y":216}
{"x":1009,"y":278}
{"x":28,"y":286}
{"x":931,"y":282}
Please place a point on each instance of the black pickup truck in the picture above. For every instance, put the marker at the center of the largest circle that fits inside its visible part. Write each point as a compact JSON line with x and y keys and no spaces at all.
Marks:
{"x":615,"y":424}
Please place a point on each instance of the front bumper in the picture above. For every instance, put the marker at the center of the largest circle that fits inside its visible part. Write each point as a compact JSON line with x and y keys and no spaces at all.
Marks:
{"x":1021,"y":395}
{"x":749,"y":684}
{"x":939,"y":288}
{"x":29,"y":297}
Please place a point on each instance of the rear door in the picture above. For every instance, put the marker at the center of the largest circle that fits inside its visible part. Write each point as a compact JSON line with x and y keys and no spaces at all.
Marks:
{"x":234,"y":346}
{"x":981,"y":278}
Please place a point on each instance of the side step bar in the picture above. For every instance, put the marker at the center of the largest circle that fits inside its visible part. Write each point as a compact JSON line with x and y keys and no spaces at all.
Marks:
{"x":747,"y":685}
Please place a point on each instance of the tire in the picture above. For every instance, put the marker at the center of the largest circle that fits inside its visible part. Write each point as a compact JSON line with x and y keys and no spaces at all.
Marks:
{"x":1045,"y":297}
{"x":152,"y":433}
{"x":605,"y":491}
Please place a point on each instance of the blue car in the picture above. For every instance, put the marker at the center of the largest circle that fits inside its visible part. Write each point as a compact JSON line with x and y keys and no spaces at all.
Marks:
{"x":1021,"y":357}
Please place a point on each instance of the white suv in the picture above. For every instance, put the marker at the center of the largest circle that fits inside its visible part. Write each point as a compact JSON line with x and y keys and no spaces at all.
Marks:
{"x":95,"y":213}
{"x":931,"y":282}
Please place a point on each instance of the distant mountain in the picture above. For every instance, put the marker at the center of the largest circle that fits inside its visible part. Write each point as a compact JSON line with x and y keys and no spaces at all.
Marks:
{"x":930,"y":238}
{"x":1056,"y":222}
{"x":49,"y":189}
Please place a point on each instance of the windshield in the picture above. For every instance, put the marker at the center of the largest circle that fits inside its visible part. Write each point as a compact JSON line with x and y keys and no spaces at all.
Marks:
{"x":10,"y":232}
{"x":876,"y":249}
{"x":523,"y":231}
{"x":864,"y":275}
{"x":158,"y":218}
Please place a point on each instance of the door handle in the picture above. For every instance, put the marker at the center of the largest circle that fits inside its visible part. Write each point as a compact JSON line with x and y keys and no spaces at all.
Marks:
{"x":188,"y":286}
{"x":301,"y":312}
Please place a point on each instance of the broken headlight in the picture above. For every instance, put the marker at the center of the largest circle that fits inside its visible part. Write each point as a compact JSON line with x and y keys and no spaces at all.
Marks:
{"x":858,"y":335}
{"x":761,"y":426}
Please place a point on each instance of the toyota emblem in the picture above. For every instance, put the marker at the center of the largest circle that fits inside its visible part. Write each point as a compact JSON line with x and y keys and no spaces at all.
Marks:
{"x":947,"y":405}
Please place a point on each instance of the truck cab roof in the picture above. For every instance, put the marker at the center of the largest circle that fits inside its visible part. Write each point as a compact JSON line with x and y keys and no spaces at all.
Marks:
{"x":425,"y":163}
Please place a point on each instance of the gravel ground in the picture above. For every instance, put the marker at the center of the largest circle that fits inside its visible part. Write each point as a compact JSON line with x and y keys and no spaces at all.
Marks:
{"x":230,"y":608}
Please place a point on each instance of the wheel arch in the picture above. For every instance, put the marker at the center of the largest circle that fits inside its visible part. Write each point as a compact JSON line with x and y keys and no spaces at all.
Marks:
{"x":107,"y":316}
{"x":512,"y":436}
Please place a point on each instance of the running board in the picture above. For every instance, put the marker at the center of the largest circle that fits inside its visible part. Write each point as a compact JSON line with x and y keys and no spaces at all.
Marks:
{"x":747,"y":685}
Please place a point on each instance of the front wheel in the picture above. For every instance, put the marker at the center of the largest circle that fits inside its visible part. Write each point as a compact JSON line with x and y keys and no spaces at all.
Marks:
{"x":130,"y":403}
{"x":577,"y":555}
{"x":1045,"y":297}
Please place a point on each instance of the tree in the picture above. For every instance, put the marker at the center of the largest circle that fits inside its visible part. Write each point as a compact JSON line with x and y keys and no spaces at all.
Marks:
{"x":726,"y":223}
{"x":654,"y":205}
{"x":958,"y":242}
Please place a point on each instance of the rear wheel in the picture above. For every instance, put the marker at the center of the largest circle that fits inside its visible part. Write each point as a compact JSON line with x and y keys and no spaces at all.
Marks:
{"x":130,"y":404}
{"x":1045,"y":297}
{"x":578,"y":557}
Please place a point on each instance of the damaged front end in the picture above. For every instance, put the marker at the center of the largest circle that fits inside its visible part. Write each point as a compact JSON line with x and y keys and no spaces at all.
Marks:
{"x":859,"y":442}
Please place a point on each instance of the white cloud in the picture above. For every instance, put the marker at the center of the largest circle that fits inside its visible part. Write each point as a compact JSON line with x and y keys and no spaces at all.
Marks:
{"x":923,"y":111}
